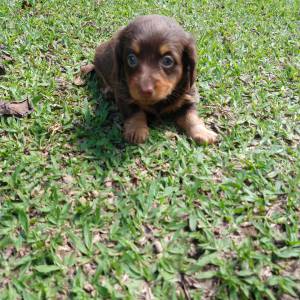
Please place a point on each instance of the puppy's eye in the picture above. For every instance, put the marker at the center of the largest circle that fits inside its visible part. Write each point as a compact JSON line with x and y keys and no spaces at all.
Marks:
{"x":132,"y":60}
{"x":167,"y":61}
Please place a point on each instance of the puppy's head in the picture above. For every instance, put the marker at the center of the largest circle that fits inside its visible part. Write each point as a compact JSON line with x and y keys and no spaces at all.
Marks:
{"x":155,"y":57}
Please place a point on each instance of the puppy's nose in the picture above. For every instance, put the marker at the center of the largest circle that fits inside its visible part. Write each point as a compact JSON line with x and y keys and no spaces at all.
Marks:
{"x":147,"y":88}
{"x":147,"y":91}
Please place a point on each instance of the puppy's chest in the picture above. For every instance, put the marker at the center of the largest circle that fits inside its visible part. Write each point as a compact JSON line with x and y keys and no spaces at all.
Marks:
{"x":167,"y":106}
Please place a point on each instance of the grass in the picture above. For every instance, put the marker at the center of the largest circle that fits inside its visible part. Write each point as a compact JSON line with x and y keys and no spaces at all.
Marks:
{"x":84,"y":215}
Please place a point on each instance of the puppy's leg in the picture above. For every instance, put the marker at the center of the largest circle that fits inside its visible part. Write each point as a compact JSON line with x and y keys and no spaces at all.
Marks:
{"x":136,"y":129}
{"x":195,"y":128}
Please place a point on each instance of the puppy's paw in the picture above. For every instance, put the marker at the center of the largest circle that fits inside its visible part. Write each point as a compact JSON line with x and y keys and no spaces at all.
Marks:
{"x":136,"y":135}
{"x":202,"y":135}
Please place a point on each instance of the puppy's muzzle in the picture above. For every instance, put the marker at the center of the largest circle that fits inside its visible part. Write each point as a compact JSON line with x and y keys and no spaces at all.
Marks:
{"x":146,"y":86}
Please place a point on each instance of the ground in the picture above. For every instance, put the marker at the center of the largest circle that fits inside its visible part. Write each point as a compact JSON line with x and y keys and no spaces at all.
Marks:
{"x":85,"y":215}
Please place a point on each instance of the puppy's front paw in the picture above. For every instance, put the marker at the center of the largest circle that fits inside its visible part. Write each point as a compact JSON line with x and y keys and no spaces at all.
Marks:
{"x":202,"y":135}
{"x":136,"y":135}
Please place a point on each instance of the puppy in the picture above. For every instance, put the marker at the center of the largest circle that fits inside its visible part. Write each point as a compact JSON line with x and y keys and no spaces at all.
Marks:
{"x":148,"y":67}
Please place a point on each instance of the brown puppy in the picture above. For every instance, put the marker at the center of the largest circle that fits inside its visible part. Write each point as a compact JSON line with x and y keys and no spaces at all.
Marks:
{"x":149,"y":68}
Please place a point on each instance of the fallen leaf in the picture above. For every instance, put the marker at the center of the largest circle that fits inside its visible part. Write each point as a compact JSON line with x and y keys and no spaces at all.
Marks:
{"x":265,"y":273}
{"x":18,"y":109}
{"x":67,"y":179}
{"x":157,"y":247}
{"x":89,"y":269}
{"x":108,"y":182}
{"x":5,"y":56}
{"x":88,"y":287}
{"x":146,"y":293}
{"x":79,"y":81}
{"x":9,"y":251}
{"x":95,"y":194}
{"x":84,"y":70}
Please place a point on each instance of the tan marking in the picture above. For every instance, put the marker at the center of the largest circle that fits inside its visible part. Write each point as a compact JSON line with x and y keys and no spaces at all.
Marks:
{"x":135,"y":47}
{"x":136,"y":129}
{"x":164,"y":49}
{"x":177,"y":104}
{"x":195,"y":128}
{"x":163,"y":87}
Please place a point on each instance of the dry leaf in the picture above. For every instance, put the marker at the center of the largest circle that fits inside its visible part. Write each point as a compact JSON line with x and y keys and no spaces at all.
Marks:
{"x":157,"y":247}
{"x":67,"y":179}
{"x":18,"y":109}
{"x":88,"y":287}
{"x":84,"y":70}
{"x":7,"y":57}
{"x":79,"y":81}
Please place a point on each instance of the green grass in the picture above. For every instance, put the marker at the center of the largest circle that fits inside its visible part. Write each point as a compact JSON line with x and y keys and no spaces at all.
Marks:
{"x":84,"y":215}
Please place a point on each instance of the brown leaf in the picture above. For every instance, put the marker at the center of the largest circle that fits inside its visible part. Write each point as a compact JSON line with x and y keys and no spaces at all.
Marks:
{"x":88,"y":287}
{"x":108,"y":182}
{"x":157,"y":247}
{"x":265,"y":273}
{"x":84,"y":70}
{"x":8,"y":252}
{"x":79,"y":81}
{"x":18,"y":109}
{"x":95,"y":194}
{"x":218,"y":175}
{"x":89,"y":269}
{"x":63,"y":250}
{"x":146,"y":293}
{"x":4,"y":55}
{"x":7,"y":57}
{"x":67,"y":179}
{"x":290,"y":268}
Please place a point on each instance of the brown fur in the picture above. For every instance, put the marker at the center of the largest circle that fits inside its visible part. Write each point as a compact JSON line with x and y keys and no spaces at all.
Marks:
{"x":135,"y":66}
{"x":136,"y":128}
{"x":195,"y":128}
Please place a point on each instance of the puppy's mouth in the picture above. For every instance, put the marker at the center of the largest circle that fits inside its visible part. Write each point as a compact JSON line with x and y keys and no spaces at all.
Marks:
{"x":149,"y":94}
{"x":145,"y":98}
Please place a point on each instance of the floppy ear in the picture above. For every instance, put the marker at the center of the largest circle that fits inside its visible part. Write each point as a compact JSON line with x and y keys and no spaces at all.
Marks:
{"x":189,"y":59}
{"x":118,"y":49}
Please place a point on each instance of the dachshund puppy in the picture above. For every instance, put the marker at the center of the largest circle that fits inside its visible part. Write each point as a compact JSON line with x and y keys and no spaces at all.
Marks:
{"x":148,"y":67}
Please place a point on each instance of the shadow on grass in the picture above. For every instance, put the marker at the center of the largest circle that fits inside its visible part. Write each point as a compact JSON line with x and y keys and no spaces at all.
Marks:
{"x":100,"y":133}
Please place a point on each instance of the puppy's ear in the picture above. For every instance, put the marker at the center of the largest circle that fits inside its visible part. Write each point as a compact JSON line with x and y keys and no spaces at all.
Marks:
{"x":189,"y":59}
{"x":119,"y":63}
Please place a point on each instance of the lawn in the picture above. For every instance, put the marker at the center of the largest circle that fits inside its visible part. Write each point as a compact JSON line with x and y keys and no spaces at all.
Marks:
{"x":83,"y":215}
